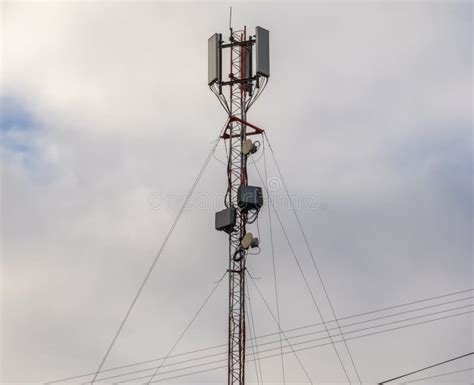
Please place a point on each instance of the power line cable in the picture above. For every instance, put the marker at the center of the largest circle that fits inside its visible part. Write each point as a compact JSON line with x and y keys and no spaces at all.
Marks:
{"x":439,"y":375}
{"x":289,"y":338}
{"x":368,"y":334}
{"x":158,"y":255}
{"x":426,"y":368}
{"x":303,"y":274}
{"x":372,"y":319}
{"x":369,"y":328}
{"x":406,"y":304}
{"x":397,"y":314}
{"x":359,"y":336}
{"x":311,"y":254}
{"x":225,"y":366}
{"x":293,"y":351}
{"x":293,"y":345}
{"x":190,"y":374}
{"x":287,"y":331}
{"x":171,"y":371}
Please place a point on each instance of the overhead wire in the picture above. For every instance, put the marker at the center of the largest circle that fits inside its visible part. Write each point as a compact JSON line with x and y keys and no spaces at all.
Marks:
{"x":433,"y":298}
{"x":372,"y":319}
{"x":363,"y":335}
{"x":368,"y":328}
{"x":303,"y":275}
{"x":384,"y":317}
{"x":296,"y":343}
{"x":292,"y":350}
{"x":157,"y":257}
{"x":190,"y":374}
{"x":427,"y":367}
{"x":439,"y":375}
{"x":313,"y":347}
{"x":311,"y":254}
{"x":407,"y":304}
{"x":348,"y":325}
{"x":170,"y":371}
{"x":295,"y":350}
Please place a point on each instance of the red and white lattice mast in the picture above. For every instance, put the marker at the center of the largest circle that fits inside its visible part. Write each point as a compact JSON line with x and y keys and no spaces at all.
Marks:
{"x":237,"y":92}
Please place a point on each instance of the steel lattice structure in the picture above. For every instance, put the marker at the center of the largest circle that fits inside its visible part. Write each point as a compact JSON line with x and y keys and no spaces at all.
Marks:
{"x":240,"y":97}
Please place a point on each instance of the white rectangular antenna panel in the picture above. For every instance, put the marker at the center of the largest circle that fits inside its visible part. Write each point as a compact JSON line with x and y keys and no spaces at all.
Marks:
{"x":263,"y":51}
{"x":214,"y":59}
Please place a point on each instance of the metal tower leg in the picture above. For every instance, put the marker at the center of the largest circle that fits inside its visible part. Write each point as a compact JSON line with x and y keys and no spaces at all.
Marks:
{"x":237,"y":176}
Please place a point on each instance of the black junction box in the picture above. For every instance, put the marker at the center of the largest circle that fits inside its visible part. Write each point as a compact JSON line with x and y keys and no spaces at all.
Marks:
{"x":249,"y":198}
{"x":225,"y":220}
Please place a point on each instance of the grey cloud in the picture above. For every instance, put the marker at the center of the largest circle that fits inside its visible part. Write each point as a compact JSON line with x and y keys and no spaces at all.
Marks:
{"x":369,"y":107}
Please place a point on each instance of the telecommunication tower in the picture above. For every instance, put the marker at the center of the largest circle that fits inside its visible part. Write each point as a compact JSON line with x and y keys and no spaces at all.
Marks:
{"x":237,"y":92}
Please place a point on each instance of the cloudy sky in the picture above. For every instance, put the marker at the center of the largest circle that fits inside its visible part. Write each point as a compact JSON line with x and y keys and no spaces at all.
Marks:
{"x":106,"y":119}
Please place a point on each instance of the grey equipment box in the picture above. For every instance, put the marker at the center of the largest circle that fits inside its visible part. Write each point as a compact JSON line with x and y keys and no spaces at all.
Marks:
{"x":249,"y":198}
{"x":225,"y":220}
